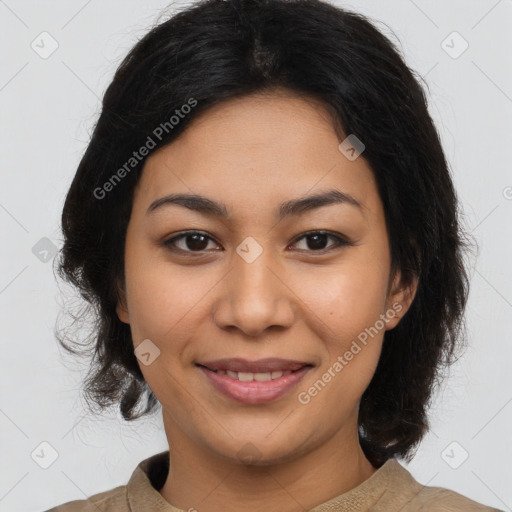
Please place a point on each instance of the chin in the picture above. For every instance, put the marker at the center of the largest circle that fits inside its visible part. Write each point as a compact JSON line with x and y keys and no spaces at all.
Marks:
{"x":261,"y":451}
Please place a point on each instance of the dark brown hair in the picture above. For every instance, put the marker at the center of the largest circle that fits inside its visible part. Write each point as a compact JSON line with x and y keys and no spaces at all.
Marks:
{"x":216,"y":50}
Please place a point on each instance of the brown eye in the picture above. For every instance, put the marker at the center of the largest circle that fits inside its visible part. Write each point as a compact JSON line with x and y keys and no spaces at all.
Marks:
{"x":316,"y":241}
{"x":189,"y":242}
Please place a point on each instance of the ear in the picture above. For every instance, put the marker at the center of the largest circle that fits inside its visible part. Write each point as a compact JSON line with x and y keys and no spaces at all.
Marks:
{"x":121,"y":307}
{"x":401,"y":293}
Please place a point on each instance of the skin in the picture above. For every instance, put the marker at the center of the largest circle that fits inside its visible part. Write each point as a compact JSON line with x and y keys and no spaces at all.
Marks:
{"x":295,"y":301}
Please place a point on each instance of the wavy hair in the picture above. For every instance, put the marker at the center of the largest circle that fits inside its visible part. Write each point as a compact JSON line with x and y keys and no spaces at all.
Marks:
{"x":215,"y":50}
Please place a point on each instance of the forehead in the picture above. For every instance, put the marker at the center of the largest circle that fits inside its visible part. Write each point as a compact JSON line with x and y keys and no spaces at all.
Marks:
{"x":255,"y":150}
{"x":271,"y":118}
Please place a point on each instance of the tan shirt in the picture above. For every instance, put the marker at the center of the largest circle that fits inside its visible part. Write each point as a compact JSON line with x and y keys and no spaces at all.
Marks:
{"x":390,"y":489}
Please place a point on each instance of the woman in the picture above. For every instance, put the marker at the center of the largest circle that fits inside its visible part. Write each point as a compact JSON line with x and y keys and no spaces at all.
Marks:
{"x":265,"y":224}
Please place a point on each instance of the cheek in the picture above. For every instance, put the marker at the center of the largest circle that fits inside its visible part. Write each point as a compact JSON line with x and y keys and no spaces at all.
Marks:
{"x":347,"y":298}
{"x":349,"y":302}
{"x":152,"y":289}
{"x":165,"y":299}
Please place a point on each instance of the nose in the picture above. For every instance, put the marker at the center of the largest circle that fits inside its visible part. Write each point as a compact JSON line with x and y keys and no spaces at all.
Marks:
{"x":255,"y":298}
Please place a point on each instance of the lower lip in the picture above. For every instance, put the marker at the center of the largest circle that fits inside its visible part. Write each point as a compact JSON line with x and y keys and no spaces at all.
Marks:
{"x":254,"y":392}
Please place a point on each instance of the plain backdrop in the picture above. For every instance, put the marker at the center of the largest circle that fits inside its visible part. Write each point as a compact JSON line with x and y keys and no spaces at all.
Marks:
{"x":48,"y":104}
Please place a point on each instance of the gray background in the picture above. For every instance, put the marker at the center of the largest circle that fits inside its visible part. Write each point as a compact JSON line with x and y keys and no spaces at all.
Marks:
{"x":47,"y":108}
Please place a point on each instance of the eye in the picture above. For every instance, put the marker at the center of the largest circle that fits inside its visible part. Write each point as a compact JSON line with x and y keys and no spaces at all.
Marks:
{"x":191,"y":241}
{"x":196,"y":242}
{"x":318,"y":240}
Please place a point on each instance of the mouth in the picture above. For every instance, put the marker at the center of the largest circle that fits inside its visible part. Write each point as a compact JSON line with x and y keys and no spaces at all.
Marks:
{"x":261,"y":366}
{"x":269,"y":379}
{"x":257,"y":376}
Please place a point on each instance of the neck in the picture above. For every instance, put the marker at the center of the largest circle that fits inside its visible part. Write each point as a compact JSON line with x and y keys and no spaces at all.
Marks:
{"x":210,"y":482}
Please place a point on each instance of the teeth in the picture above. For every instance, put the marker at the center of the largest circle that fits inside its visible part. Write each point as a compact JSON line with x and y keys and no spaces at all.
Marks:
{"x":248,"y":376}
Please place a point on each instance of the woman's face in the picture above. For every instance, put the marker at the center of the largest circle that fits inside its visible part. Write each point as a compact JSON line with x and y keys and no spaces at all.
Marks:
{"x":254,"y":284}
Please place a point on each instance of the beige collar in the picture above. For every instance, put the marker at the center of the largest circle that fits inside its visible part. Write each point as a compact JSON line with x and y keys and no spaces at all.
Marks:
{"x":152,"y":472}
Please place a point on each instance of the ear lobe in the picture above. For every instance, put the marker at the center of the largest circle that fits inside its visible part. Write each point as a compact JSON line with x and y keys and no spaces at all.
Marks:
{"x":400,"y":298}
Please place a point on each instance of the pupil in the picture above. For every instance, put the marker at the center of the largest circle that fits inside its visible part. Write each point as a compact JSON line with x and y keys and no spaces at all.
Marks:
{"x":198,"y":242}
{"x":319,"y":241}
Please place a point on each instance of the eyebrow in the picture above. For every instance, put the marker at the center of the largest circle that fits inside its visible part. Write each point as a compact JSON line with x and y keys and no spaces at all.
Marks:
{"x":290,"y":208}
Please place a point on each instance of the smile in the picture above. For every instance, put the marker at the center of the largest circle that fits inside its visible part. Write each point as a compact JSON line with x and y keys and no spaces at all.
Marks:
{"x":254,"y":388}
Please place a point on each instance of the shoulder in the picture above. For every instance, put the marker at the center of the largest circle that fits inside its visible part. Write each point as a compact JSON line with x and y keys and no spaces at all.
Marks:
{"x":113,"y":500}
{"x":439,"y":499}
{"x":140,"y":490}
{"x":416,"y":497}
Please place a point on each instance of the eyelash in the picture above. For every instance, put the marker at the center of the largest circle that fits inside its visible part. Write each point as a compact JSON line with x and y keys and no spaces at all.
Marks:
{"x":340,"y":242}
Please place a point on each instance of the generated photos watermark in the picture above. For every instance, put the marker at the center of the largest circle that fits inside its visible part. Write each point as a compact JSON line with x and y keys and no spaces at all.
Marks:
{"x":304,"y":397}
{"x":137,"y":156}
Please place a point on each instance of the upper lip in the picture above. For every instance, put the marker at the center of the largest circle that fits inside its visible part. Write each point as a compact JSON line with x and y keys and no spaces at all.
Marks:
{"x":271,"y":364}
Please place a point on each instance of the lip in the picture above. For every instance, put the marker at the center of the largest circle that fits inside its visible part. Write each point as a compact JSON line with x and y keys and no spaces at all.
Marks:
{"x":270,"y":364}
{"x":254,"y":392}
